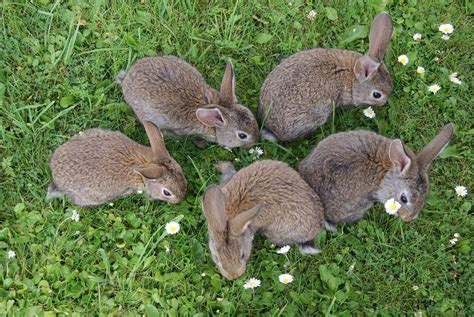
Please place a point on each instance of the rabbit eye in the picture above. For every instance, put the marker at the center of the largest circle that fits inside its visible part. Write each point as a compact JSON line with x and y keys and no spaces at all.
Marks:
{"x":376,"y":95}
{"x":166,"y":193}
{"x":403,"y":198}
{"x":242,"y":135}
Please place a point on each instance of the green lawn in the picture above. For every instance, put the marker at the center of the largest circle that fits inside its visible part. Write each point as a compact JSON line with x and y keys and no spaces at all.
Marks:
{"x":58,"y":63}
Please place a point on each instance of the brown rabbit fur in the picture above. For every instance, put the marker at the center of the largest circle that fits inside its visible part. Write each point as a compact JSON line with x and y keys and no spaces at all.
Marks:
{"x":100,"y":165}
{"x":173,"y":94}
{"x":298,"y":95}
{"x":267,"y":197}
{"x":351,"y":171}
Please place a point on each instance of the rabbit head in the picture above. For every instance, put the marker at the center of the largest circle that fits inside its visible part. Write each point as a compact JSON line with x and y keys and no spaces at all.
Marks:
{"x":372,"y":83}
{"x":163,"y":177}
{"x":234,"y":124}
{"x":407,"y":180}
{"x":230,"y":240}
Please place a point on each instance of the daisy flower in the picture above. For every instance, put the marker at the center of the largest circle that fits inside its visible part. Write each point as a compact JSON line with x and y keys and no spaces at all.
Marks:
{"x":454,"y":78}
{"x":392,"y":206}
{"x":457,"y":235}
{"x":446,"y":28}
{"x":445,"y":37}
{"x":252,"y":283}
{"x":172,"y":227}
{"x":420,"y":70}
{"x":369,"y":112}
{"x":75,"y":216}
{"x":285,"y":278}
{"x":434,"y":88}
{"x":284,"y":250}
{"x":417,"y":36}
{"x":256,"y":151}
{"x":461,"y":191}
{"x":403,"y":59}
{"x":311,"y":15}
{"x":453,"y":241}
{"x":11,"y":254}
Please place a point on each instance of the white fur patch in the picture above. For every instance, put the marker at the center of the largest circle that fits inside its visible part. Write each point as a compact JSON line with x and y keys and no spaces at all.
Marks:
{"x":309,"y":250}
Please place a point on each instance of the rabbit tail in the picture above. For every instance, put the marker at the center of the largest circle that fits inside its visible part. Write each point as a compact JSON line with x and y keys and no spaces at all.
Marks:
{"x":53,"y":191}
{"x":120,"y":77}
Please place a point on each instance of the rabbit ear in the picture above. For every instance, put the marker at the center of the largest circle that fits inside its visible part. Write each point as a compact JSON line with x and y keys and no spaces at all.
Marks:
{"x":380,"y":35}
{"x":398,"y":156}
{"x":435,"y":147}
{"x":210,"y":117}
{"x":214,"y":208}
{"x":157,"y":143}
{"x":153,"y":171}
{"x":364,"y":67}
{"x":228,"y":85}
{"x":240,"y":222}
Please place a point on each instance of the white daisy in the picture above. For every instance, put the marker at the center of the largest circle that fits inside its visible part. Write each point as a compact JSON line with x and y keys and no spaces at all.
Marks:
{"x":286,"y":278}
{"x":392,"y":206}
{"x":172,"y":227}
{"x":446,"y":28}
{"x":434,"y":88}
{"x":417,"y":36}
{"x":457,"y":235}
{"x":252,"y":283}
{"x":453,"y":241}
{"x":420,"y":70}
{"x":461,"y":191}
{"x":403,"y":59}
{"x":445,"y":37}
{"x":369,"y":112}
{"x":454,"y":78}
{"x":75,"y":216}
{"x":11,"y":254}
{"x":311,"y":15}
{"x":284,"y":250}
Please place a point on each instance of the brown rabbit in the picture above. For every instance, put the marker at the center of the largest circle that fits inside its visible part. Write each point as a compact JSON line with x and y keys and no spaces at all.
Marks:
{"x":173,"y":95}
{"x":351,"y":171}
{"x":298,"y":95}
{"x":267,"y":196}
{"x":100,"y":165}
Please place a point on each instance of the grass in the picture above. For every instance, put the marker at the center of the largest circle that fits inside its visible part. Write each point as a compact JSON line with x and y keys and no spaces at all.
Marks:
{"x":57,"y":77}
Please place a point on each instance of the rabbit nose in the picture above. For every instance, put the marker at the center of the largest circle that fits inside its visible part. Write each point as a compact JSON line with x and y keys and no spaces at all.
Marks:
{"x":233,"y":275}
{"x":406,"y":216}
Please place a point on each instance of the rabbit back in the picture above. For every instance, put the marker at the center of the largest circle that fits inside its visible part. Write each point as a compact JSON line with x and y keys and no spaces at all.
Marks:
{"x":345,"y":170}
{"x":96,"y":167}
{"x":167,"y":91}
{"x":298,"y":95}
{"x":291,"y":212}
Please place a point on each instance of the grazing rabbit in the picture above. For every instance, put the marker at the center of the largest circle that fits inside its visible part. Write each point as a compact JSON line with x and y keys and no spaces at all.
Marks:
{"x":173,"y":95}
{"x":351,"y":171}
{"x":267,"y":196}
{"x":298,"y":95}
{"x":100,"y":165}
